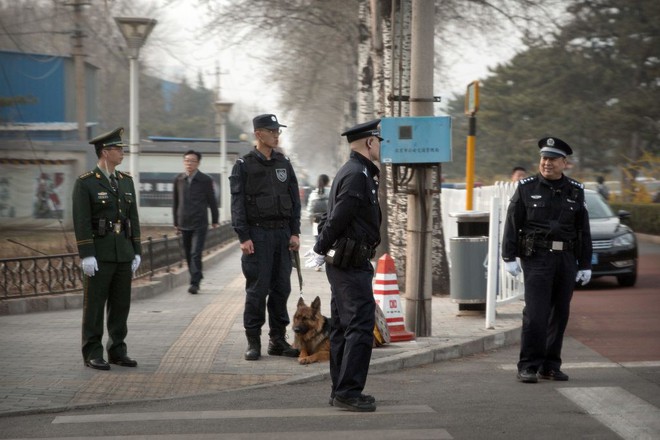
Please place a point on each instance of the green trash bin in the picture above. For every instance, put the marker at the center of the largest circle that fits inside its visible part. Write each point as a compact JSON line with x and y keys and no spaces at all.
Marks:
{"x":468,"y":275}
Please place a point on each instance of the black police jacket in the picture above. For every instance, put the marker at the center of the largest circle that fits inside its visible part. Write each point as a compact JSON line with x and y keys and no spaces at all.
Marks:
{"x":549,"y":210}
{"x":263,"y":190}
{"x":353,"y":209}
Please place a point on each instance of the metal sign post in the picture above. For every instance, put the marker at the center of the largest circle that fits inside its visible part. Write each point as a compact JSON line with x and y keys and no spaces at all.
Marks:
{"x":471,"y":107}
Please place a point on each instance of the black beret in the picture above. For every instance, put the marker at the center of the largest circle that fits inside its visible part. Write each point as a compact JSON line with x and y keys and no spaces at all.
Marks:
{"x":366,"y":129}
{"x":554,"y":147}
{"x":266,"y":121}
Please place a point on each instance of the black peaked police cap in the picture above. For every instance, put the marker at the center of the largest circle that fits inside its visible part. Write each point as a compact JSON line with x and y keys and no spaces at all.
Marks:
{"x":554,"y":147}
{"x":364,"y":130}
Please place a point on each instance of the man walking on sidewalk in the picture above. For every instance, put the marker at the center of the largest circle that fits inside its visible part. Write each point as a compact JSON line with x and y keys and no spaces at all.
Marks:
{"x":265,"y":213}
{"x":193,"y":197}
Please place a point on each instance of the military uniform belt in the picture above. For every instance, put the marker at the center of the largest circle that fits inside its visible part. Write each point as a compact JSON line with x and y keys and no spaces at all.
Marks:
{"x":271,"y":224}
{"x":554,"y":245}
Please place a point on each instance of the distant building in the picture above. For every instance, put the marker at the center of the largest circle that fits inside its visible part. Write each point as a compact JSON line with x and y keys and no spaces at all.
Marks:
{"x":43,"y":87}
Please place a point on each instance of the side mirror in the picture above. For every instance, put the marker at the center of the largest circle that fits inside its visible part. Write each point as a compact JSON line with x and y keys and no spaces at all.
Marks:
{"x":623,"y":214}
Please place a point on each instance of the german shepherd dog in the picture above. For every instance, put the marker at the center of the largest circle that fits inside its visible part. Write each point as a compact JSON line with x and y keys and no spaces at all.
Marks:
{"x":312,"y":331}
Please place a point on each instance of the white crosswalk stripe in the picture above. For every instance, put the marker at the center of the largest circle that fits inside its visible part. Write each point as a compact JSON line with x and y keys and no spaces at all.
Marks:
{"x":622,"y":412}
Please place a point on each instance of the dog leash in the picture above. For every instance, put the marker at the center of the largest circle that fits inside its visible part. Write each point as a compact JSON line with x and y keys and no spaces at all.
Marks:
{"x":296,"y":257}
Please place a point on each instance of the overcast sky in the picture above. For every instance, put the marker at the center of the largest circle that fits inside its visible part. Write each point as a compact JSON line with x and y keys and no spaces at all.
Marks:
{"x":173,"y":51}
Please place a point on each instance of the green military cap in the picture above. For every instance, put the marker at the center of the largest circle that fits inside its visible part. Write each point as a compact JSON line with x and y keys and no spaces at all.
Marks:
{"x":109,"y":139}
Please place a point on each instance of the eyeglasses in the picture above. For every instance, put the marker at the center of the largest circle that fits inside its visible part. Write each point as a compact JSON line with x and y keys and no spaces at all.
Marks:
{"x":273,"y":131}
{"x":190,"y":161}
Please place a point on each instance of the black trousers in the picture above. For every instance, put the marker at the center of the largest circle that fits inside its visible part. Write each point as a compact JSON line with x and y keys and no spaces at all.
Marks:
{"x":267,"y":281}
{"x":353,"y":309}
{"x":549,"y":283}
{"x":110,"y":287}
{"x":193,"y":245}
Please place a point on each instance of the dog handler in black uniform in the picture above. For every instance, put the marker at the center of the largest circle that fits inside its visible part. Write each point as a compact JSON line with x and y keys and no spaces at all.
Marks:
{"x":547,"y":227}
{"x":348,"y":236}
{"x":265,"y":213}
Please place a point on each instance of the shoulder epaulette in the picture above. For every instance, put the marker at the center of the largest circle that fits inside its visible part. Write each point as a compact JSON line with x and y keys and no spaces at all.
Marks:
{"x":86,"y":175}
{"x":240,"y":160}
{"x":575,"y":183}
{"x":528,"y":180}
{"x":125,"y":174}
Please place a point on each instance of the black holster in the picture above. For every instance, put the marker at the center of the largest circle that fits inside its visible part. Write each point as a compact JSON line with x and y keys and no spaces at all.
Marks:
{"x":348,"y":252}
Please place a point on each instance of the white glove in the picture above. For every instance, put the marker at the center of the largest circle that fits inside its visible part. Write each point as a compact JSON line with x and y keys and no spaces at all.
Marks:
{"x":584,"y":276}
{"x":512,"y":267}
{"x":136,"y":263}
{"x":89,"y":266}
{"x":315,"y":260}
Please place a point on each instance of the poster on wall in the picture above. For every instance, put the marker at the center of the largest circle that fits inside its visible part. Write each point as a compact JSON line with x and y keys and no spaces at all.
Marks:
{"x":34,"y":189}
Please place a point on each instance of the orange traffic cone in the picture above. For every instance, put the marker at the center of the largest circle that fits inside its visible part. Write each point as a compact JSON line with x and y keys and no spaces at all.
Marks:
{"x":386,"y":294}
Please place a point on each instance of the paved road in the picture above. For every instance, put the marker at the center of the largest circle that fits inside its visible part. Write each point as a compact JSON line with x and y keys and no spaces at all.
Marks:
{"x":476,"y":397}
{"x":622,"y":324}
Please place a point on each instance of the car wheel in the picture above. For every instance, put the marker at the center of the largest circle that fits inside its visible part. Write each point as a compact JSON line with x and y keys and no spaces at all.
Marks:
{"x":627,"y":280}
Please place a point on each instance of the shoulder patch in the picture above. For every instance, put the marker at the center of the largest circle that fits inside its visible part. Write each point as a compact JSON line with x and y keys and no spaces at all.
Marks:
{"x":527,"y":180}
{"x":125,"y":174}
{"x":576,"y":183}
{"x":86,"y":175}
{"x":239,"y":160}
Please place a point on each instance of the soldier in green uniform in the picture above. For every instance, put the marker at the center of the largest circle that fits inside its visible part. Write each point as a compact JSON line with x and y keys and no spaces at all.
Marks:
{"x":107,"y":230}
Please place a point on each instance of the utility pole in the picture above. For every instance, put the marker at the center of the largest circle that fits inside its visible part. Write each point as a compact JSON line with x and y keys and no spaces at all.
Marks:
{"x":78,"y":53}
{"x":418,"y":253}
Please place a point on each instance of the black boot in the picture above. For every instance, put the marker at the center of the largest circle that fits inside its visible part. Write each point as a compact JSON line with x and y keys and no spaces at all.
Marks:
{"x":277,"y":346}
{"x":253,"y":352}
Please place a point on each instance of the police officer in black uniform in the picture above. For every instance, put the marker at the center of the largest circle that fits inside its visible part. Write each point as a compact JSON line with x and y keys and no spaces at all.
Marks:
{"x":265,"y":213}
{"x":547,"y":227}
{"x":348,"y":235}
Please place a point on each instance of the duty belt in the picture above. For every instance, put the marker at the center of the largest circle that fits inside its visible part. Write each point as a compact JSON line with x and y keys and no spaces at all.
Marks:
{"x":271,"y":224}
{"x":115,"y":227}
{"x":554,"y":245}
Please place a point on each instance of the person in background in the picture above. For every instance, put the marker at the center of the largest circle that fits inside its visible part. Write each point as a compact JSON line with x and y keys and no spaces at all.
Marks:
{"x":107,"y":228}
{"x":193,"y":197}
{"x":518,"y":173}
{"x":547,"y":227}
{"x":348,"y":236}
{"x":265,"y":213}
{"x":317,"y":205}
{"x":602,"y":189}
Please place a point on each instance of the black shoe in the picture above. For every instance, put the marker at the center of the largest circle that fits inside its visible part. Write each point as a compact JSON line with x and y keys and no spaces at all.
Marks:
{"x":279,"y":347}
{"x":123,"y":361}
{"x":356,"y":404}
{"x":97,"y":364}
{"x":193,"y":289}
{"x":553,"y":375}
{"x":527,"y":376}
{"x":253,"y":351}
{"x":364,"y":397}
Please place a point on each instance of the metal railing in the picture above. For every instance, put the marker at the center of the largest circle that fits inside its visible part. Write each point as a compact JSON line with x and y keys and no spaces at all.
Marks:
{"x":59,"y":274}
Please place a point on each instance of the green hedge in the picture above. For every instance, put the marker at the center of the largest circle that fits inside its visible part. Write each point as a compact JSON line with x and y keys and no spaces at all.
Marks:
{"x":644,"y":217}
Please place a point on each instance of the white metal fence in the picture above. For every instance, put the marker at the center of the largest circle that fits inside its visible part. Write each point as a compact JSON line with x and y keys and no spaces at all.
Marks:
{"x":494,"y":200}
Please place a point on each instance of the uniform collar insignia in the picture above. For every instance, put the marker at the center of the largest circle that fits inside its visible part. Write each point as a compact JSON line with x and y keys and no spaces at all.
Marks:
{"x":364,"y":171}
{"x":98,"y":176}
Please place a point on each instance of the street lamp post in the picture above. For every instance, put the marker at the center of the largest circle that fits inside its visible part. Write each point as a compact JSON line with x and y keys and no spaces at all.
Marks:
{"x":222,"y":109}
{"x":135,"y":30}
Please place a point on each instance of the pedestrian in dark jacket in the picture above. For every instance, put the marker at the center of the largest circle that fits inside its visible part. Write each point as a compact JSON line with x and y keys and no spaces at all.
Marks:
{"x":193,"y":198}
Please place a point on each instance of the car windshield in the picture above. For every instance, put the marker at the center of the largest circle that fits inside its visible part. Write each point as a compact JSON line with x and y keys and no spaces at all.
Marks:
{"x":597,"y":206}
